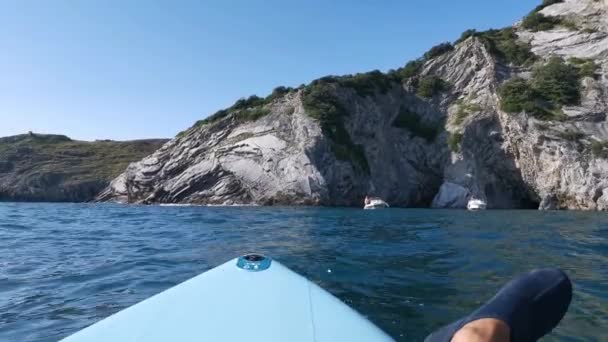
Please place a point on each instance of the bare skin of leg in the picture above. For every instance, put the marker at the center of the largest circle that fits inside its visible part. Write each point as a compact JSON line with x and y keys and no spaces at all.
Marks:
{"x":483,"y":330}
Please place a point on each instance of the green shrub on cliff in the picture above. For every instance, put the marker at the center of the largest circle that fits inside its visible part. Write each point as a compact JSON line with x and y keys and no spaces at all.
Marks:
{"x":557,"y":82}
{"x":413,"y":123}
{"x":586,"y":67}
{"x":366,"y":84}
{"x":438,"y":50}
{"x":464,"y":110}
{"x":588,"y":70}
{"x":244,"y":109}
{"x":353,"y":153}
{"x":552,"y":85}
{"x":430,"y":86}
{"x":505,"y":45}
{"x":599,"y":149}
{"x":252,"y":114}
{"x":546,"y":3}
{"x":517,"y":96}
{"x":321,"y":103}
{"x":245,"y":103}
{"x":466,"y":35}
{"x":571,"y":135}
{"x":536,"y":21}
{"x":454,"y":141}
{"x":277,"y":93}
{"x":412,"y":68}
{"x":589,"y":30}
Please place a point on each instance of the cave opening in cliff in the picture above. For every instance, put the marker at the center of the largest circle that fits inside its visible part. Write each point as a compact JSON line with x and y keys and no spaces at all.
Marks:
{"x":504,"y":197}
{"x":529,"y":203}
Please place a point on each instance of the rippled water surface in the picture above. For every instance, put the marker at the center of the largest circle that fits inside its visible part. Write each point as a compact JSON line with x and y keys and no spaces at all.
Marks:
{"x":65,"y":266}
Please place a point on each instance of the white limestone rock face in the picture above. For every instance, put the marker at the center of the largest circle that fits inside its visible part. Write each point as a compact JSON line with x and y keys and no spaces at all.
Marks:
{"x":286,"y":159}
{"x":262,"y":162}
{"x":563,"y":173}
{"x":507,"y":160}
{"x":451,"y":196}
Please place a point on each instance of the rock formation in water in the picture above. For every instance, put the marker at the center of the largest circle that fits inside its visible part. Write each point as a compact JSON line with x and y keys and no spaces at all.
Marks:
{"x":516,"y":117}
{"x":37,"y":167}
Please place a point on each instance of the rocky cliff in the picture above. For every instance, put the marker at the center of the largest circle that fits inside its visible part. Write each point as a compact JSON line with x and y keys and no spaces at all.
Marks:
{"x":37,"y":167}
{"x":515,"y":116}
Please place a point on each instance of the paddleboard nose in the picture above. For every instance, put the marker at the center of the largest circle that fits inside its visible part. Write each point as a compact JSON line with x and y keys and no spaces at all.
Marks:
{"x":253,"y":262}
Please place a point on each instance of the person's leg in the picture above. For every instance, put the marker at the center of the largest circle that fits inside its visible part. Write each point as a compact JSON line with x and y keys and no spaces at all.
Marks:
{"x":483,"y":330}
{"x":524,"y":310}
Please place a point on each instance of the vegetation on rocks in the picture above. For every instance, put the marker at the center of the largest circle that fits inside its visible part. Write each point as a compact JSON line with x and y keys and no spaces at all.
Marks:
{"x":503,"y":44}
{"x":278,"y":92}
{"x":569,"y":24}
{"x":253,"y":114}
{"x":518,"y":96}
{"x":321,"y":103}
{"x":557,"y":82}
{"x":246,"y":109}
{"x":536,"y":21}
{"x":438,"y":50}
{"x":546,"y":3}
{"x":571,"y":135}
{"x":413,"y":68}
{"x":414,"y":124}
{"x":464,"y":110}
{"x":552,"y":85}
{"x":586,"y":67}
{"x":430,"y":86}
{"x":599,"y":149}
{"x":541,"y":126}
{"x":466,"y":35}
{"x":376,"y":82}
{"x":590,"y":30}
{"x":56,"y":168}
{"x":454,"y":141}
{"x":366,"y":84}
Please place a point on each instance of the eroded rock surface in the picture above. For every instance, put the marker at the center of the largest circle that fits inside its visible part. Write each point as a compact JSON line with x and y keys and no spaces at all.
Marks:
{"x":508,"y":160}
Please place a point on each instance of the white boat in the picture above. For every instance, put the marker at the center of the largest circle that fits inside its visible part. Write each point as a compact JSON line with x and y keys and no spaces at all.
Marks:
{"x":376,"y":203}
{"x":476,"y":204}
{"x":251,"y":298}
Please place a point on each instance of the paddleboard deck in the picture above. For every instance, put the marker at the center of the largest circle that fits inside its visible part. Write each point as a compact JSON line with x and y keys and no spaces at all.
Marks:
{"x":251,"y":298}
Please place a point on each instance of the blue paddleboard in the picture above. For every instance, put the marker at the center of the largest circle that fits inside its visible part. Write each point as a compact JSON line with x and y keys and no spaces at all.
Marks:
{"x":251,"y":298}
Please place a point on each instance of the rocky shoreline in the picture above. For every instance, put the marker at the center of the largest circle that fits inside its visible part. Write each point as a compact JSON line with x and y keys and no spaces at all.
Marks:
{"x":54,"y":168}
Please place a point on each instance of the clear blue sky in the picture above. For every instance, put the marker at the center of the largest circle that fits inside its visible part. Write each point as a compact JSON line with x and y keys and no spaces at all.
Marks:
{"x":133,"y":69}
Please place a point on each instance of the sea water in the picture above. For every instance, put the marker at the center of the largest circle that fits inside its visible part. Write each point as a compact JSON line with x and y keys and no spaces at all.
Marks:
{"x":66,"y":266}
